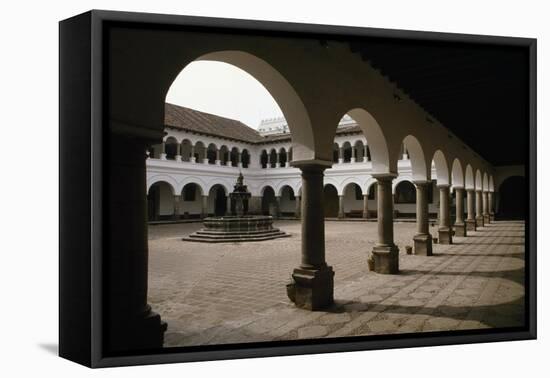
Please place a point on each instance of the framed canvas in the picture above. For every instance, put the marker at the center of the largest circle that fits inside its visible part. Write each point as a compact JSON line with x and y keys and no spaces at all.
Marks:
{"x":234,"y":188}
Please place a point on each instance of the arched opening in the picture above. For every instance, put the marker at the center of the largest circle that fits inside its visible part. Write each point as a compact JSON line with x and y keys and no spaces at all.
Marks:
{"x":211,"y":153}
{"x":191,"y":201}
{"x":379,"y":155}
{"x":273,"y":158}
{"x":415,"y":154}
{"x":245,"y":158}
{"x":441,"y":168}
{"x":353,"y":201}
{"x":469,"y":182}
{"x":200,"y":152}
{"x":512,"y":198}
{"x":234,"y":157}
{"x":264,"y":159}
{"x":359,"y":147}
{"x":288,"y":201}
{"x":224,"y":155}
{"x":282,"y":157}
{"x":457,"y":174}
{"x":269,"y":205}
{"x":405,"y":200}
{"x":330,"y":203}
{"x":171,"y":148}
{"x":346,"y":152}
{"x":186,"y":150}
{"x":217,"y":200}
{"x":160,"y":201}
{"x":335,"y":152}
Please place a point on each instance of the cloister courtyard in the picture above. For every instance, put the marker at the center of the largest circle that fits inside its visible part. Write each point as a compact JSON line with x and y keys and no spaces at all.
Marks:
{"x":236,"y":292}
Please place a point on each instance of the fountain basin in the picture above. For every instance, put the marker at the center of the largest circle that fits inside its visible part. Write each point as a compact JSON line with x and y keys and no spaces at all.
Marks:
{"x":235,"y":229}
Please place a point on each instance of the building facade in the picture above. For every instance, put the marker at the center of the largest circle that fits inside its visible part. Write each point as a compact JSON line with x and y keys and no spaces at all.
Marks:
{"x":191,"y":173}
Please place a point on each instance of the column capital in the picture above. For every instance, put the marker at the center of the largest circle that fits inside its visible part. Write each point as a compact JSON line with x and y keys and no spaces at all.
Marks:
{"x":304,"y":164}
{"x":443,"y":186}
{"x":458,"y":187}
{"x":388,"y":176}
{"x":422,"y":182}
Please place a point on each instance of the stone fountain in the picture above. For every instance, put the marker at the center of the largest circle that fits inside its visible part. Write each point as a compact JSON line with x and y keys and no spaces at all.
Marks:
{"x":240,"y":227}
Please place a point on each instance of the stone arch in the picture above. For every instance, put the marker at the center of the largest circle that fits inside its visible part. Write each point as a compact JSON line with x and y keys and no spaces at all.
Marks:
{"x":193,"y":180}
{"x":265,"y":186}
{"x":333,"y":182}
{"x":469,"y":178}
{"x":349,"y":181}
{"x":441,"y":168}
{"x":169,"y":180}
{"x":399,"y":179}
{"x":264,"y":158}
{"x":224,"y":155}
{"x":335,"y":152}
{"x":268,"y":200}
{"x":457,"y":174}
{"x":347,"y":152}
{"x":378,"y":146}
{"x":417,"y":158}
{"x":234,"y":157}
{"x":283,"y":93}
{"x":479,"y":181}
{"x":245,"y":158}
{"x":227,"y":188}
{"x":283,"y":157}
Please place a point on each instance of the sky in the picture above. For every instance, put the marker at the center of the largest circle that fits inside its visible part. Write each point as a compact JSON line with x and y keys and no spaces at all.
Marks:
{"x":224,"y":90}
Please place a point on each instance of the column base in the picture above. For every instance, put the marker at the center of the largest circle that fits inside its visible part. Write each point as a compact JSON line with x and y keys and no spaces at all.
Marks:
{"x":470,"y":224}
{"x":492,"y":217}
{"x":460,"y":229}
{"x":486,"y":219}
{"x":141,"y":333}
{"x":312,"y":289}
{"x":480,"y":221}
{"x":386,"y":259}
{"x":423,"y":245}
{"x":445,"y":235}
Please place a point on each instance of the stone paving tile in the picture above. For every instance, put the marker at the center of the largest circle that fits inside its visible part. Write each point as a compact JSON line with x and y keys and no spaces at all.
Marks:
{"x":235,"y":293}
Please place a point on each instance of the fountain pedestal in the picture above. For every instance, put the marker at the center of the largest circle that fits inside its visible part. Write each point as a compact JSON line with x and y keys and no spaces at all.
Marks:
{"x":239,"y":227}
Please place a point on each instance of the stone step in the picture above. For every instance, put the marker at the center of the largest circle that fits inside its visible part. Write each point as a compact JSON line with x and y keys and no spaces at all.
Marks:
{"x":233,"y":238}
{"x":251,"y":232}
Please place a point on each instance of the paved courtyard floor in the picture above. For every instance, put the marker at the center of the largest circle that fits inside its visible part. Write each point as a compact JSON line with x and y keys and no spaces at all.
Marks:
{"x":235,"y":293}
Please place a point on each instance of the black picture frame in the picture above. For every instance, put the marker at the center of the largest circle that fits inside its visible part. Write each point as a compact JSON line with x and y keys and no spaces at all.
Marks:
{"x":83,"y":204}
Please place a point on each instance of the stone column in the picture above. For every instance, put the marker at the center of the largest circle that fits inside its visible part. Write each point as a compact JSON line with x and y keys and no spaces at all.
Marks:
{"x":239,"y":159}
{"x":204,"y":208}
{"x":218,"y":160}
{"x":365,"y":206}
{"x":445,"y":231}
{"x":459,"y":226}
{"x":313,"y":281}
{"x":176,"y":214}
{"x":192,"y":158}
{"x":471,"y":220}
{"x":341,"y":213}
{"x":491,"y":207}
{"x":485,"y":200}
{"x":277,"y":206}
{"x":163,"y":151}
{"x":298,"y":207}
{"x":340,"y":155}
{"x":129,"y":322}
{"x":385,"y":252}
{"x":423,"y":238}
{"x":479,"y":209}
{"x":278,"y":161}
{"x":353,"y":155}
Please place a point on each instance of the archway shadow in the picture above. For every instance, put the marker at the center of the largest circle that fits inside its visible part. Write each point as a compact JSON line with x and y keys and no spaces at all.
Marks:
{"x":502,"y":315}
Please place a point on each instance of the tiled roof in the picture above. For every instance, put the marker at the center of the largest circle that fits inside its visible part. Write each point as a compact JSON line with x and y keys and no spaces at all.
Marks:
{"x":188,"y":119}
